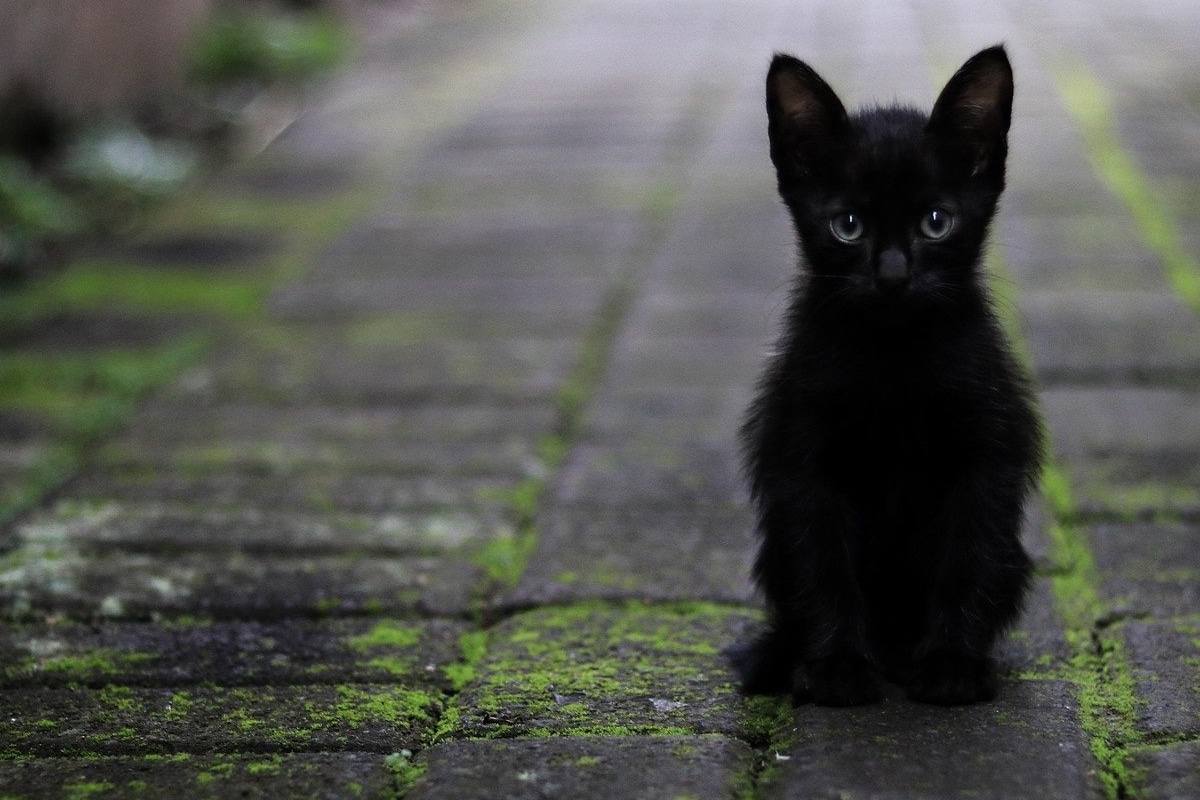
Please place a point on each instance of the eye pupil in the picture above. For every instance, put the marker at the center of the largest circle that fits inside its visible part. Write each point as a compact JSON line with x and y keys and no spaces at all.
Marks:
{"x":936,"y":223}
{"x":848,"y":227}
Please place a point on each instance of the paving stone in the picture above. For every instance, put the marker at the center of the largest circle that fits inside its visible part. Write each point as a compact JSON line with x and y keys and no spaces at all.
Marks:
{"x":666,"y":416}
{"x":588,"y":553}
{"x":1028,"y":743}
{"x":97,"y":530}
{"x":514,"y":455}
{"x":637,"y":768}
{"x":1117,"y":337}
{"x":715,"y":361}
{"x":1166,"y":665}
{"x":561,"y":298}
{"x":1041,"y":258}
{"x":1148,"y":568}
{"x":315,"y":776}
{"x":651,"y":474}
{"x":1170,"y":772}
{"x":1036,"y":645}
{"x":229,"y":585}
{"x":1138,"y":486}
{"x":122,"y":720}
{"x":594,"y":670}
{"x":315,"y":426}
{"x":242,"y":653}
{"x":1088,"y":422}
{"x":327,"y":491}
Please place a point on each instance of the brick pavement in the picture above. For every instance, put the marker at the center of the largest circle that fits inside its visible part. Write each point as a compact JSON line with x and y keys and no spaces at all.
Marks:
{"x":450,"y":505}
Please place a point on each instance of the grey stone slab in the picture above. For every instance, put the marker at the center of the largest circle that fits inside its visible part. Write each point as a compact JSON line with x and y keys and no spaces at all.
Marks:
{"x":589,"y":553}
{"x":1165,"y":656}
{"x":363,"y":367}
{"x":97,"y":530}
{"x":1148,"y":568}
{"x":1142,"y":486}
{"x":90,"y":331}
{"x":666,"y":416}
{"x":122,"y":720}
{"x":514,"y":455}
{"x":497,"y":245}
{"x":1041,"y":258}
{"x":594,"y":670}
{"x":1036,"y":645}
{"x":576,"y":297}
{"x":327,"y":491}
{"x":1028,"y":743}
{"x":242,"y":653}
{"x":715,"y":361}
{"x":236,"y":585}
{"x":651,"y":473}
{"x":308,"y":776}
{"x":637,"y":768}
{"x":1112,"y":337}
{"x":1088,"y":422}
{"x":301,"y":428}
{"x":1169,"y":772}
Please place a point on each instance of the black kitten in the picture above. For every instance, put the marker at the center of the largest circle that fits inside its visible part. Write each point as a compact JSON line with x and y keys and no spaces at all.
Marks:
{"x":894,"y":438}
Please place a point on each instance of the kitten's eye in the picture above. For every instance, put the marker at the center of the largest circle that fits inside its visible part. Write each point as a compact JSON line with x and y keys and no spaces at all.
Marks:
{"x":848,"y":227}
{"x":936,"y":223}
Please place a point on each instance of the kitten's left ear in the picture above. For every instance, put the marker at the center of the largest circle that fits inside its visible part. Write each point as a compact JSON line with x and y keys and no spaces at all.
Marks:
{"x":973,"y":112}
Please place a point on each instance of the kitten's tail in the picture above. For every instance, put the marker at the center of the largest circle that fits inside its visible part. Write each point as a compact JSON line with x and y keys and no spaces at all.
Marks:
{"x":765,"y":664}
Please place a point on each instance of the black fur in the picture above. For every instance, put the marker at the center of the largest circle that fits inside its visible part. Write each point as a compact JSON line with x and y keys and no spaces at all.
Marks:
{"x":894,"y":438}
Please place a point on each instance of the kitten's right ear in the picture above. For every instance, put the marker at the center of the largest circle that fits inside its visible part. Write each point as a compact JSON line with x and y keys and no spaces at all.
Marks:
{"x":805,"y":119}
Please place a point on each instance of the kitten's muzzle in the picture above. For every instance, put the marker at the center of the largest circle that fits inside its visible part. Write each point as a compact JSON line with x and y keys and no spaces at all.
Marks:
{"x":892,"y":275}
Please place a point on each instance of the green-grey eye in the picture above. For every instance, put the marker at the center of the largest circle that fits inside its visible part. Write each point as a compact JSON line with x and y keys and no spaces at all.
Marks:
{"x":848,"y":227}
{"x":936,"y":223}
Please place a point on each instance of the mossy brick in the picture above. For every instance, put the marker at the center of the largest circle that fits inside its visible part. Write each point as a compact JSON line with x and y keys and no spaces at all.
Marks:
{"x":121,"y":720}
{"x":190,"y":652}
{"x":323,"y":491}
{"x":589,"y":552}
{"x":1121,"y":421}
{"x":305,"y":776}
{"x":1036,"y":645}
{"x":1027,"y":743}
{"x":226,"y":584}
{"x":1165,"y":656}
{"x":1112,"y":337}
{"x":587,"y":768}
{"x":155,"y":528}
{"x":648,"y":474}
{"x":1148,"y":568}
{"x":1169,"y":772}
{"x":607,"y":670}
{"x":336,"y":366}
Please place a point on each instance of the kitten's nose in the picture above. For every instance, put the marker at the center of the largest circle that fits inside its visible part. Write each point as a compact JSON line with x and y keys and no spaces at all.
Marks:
{"x":892,"y":276}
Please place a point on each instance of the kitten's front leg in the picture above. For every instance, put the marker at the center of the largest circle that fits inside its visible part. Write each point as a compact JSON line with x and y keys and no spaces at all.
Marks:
{"x":807,"y":569}
{"x":977,"y":593}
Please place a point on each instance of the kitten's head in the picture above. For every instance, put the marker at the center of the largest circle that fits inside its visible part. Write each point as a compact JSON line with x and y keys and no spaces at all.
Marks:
{"x":892,"y":204}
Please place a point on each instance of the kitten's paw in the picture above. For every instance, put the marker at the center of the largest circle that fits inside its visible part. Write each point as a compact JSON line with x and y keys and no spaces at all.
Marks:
{"x":763,"y":665}
{"x":842,"y":680}
{"x":951,"y":679}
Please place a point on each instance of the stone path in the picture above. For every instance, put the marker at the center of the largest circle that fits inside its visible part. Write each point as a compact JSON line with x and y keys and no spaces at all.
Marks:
{"x":449,"y":507}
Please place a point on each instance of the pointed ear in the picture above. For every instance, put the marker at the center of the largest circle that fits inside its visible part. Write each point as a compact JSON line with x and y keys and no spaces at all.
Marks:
{"x":805,"y":118}
{"x":972,"y":114}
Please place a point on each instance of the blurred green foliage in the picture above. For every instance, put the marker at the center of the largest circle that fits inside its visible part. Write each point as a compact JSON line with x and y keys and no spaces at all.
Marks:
{"x":240,"y":45}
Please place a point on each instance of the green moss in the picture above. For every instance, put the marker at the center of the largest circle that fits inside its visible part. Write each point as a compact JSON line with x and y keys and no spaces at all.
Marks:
{"x":388,"y":633}
{"x":404,"y":772}
{"x":77,"y":791}
{"x":1089,"y":103}
{"x":1098,"y":666}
